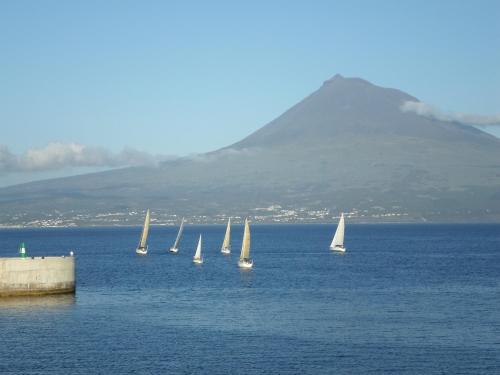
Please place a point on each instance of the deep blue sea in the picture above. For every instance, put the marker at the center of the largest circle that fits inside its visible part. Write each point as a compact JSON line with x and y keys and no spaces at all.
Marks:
{"x":403,"y":299}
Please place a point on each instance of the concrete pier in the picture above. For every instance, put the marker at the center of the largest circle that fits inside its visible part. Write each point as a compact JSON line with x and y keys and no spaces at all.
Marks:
{"x":37,"y":275}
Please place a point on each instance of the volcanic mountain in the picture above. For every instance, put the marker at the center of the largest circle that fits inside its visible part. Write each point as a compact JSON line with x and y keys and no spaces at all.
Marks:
{"x":348,"y":146}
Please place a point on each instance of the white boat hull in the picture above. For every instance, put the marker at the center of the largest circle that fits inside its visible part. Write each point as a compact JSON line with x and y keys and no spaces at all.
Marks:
{"x":226,"y":251}
{"x":174,"y":250}
{"x":337,"y":248}
{"x":197,"y":260}
{"x":245,"y":264}
{"x":141,"y":251}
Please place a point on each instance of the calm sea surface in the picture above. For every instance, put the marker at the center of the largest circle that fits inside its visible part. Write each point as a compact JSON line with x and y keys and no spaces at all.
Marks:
{"x":405,"y":299}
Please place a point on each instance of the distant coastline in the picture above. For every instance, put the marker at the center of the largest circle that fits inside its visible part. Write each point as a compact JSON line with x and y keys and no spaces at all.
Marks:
{"x":462,"y":221}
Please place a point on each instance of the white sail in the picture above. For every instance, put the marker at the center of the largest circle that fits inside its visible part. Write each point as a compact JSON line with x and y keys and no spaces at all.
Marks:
{"x":226,"y":244}
{"x":338,"y":238}
{"x":245,"y":246}
{"x":197,"y":254}
{"x":179,"y":235}
{"x":145,"y":231}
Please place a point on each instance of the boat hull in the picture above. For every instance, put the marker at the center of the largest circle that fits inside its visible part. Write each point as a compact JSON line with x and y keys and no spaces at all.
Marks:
{"x":338,"y":248}
{"x":141,"y":251}
{"x":197,"y":260}
{"x":245,"y":264}
{"x":225,"y":251}
{"x":174,"y":250}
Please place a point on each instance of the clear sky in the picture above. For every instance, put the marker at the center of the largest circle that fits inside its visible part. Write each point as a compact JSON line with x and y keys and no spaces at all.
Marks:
{"x":178,"y":77}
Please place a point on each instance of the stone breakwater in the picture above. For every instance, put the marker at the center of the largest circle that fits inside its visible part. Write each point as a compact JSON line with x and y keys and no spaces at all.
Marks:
{"x":37,"y":275}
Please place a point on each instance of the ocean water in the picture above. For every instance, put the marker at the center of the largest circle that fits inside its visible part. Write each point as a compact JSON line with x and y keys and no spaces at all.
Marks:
{"x":403,"y":299}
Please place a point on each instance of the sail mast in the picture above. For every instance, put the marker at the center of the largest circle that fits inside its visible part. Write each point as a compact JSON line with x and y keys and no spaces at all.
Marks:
{"x":226,"y":244}
{"x":338,"y":238}
{"x":145,"y":231}
{"x":245,"y":246}
{"x":197,"y":254}
{"x":179,"y":235}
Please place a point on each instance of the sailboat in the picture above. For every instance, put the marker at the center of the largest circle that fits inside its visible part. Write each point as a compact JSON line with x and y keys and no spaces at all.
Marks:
{"x":338,"y":239}
{"x":226,"y":244}
{"x":245,"y":261}
{"x":142,"y":248}
{"x":197,"y":255}
{"x":175,"y":247}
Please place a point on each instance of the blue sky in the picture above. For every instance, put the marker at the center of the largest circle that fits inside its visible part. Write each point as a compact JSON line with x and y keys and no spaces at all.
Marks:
{"x":168,"y":77}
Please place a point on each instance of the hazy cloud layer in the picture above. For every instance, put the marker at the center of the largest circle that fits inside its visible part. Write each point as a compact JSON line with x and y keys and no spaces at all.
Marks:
{"x":226,"y":152}
{"x":429,"y":111}
{"x":58,"y":155}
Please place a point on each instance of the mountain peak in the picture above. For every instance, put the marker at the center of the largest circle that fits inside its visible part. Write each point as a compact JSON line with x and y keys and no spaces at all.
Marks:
{"x":350,"y":108}
{"x":336,"y":77}
{"x":340,"y":79}
{"x":340,"y":106}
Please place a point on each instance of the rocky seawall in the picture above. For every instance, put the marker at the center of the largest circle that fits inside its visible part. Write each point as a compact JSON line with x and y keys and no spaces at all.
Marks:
{"x":37,"y":275}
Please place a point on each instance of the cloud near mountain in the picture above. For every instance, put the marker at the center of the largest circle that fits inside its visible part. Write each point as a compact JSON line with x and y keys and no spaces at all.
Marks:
{"x":222,"y":153}
{"x":429,"y":111}
{"x":59,"y":155}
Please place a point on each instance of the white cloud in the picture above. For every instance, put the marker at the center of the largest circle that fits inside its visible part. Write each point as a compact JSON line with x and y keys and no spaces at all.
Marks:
{"x":429,"y":111}
{"x":58,"y":155}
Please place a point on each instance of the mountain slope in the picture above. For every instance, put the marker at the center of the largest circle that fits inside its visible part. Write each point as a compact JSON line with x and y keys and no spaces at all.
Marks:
{"x":355,"y":107}
{"x":347,"y":146}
